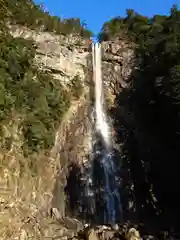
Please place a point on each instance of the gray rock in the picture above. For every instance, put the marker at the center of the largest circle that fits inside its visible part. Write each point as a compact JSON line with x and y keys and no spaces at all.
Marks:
{"x":92,"y":235}
{"x":72,"y":223}
{"x":118,"y":62}
{"x":55,"y":54}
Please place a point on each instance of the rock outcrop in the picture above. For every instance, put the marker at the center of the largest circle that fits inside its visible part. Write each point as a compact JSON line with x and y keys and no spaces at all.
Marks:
{"x":72,"y":146}
{"x":117,"y":65}
{"x":64,"y":57}
{"x":27,"y":201}
{"x":118,"y":62}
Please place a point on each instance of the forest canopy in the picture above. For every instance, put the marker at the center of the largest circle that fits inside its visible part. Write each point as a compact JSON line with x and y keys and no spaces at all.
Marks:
{"x":139,"y":28}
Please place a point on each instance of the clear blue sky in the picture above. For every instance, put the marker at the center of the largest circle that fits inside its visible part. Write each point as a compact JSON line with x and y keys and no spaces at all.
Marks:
{"x":96,"y":12}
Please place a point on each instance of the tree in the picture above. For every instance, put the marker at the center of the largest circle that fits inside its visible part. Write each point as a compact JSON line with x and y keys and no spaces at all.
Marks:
{"x":130,"y":14}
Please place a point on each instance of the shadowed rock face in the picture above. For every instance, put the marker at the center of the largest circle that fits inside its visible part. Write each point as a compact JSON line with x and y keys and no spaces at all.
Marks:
{"x":117,"y":64}
{"x":149,"y":155}
{"x":94,"y":192}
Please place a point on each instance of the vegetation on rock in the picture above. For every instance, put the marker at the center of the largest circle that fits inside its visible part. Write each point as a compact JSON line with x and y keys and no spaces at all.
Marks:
{"x":32,"y":106}
{"x":141,"y":29}
{"x":33,"y":16}
{"x":154,"y":102}
{"x":30,"y":99}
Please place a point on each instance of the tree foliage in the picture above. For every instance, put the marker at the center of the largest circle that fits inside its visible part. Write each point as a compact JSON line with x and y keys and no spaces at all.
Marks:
{"x":32,"y":103}
{"x":154,"y":102}
{"x":39,"y":100}
{"x":36,"y":17}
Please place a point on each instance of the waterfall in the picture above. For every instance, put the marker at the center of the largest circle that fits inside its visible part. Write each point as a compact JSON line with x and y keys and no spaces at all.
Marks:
{"x":101,"y":120}
{"x":102,"y":151}
{"x":99,"y":198}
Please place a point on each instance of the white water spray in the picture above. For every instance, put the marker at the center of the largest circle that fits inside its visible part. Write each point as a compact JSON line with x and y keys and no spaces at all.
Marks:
{"x":111,"y":193}
{"x":101,"y":119}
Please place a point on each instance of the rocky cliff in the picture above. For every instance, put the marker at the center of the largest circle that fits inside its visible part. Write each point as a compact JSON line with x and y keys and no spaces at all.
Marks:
{"x":28,"y":197}
{"x":34,"y":203}
{"x":43,"y":196}
{"x":63,"y":56}
{"x":117,"y":65}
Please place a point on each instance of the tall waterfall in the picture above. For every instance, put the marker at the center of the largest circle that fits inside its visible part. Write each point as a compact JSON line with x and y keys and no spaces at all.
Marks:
{"x":99,"y":198}
{"x":104,"y":157}
{"x":101,"y":119}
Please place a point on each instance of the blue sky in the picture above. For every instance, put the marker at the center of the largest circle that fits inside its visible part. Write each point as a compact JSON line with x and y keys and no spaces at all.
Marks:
{"x":96,"y":12}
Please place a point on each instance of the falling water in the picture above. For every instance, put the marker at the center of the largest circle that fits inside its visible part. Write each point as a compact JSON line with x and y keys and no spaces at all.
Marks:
{"x":100,"y":198}
{"x":101,"y":120}
{"x":102,"y":149}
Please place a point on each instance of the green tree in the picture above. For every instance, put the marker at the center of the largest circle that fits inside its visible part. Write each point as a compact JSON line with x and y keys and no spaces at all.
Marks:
{"x":33,"y":16}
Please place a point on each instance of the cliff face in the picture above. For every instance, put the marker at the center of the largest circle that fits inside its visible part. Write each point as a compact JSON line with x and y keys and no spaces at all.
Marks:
{"x":133,"y":140}
{"x":72,"y":146}
{"x":44,"y":192}
{"x":117,"y":64}
{"x":63,"y":56}
{"x":29,"y":195}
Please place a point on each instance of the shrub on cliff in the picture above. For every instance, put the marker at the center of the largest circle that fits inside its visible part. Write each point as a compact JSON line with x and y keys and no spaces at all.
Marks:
{"x":32,"y":103}
{"x":76,"y":86}
{"x":29,"y":95}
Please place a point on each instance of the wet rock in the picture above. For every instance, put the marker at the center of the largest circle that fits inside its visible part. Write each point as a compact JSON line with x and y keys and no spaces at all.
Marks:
{"x":149,"y":237}
{"x":133,"y":234}
{"x":72,"y":223}
{"x":56,"y":231}
{"x":102,"y":228}
{"x":23,"y":235}
{"x":115,"y":227}
{"x":56,"y":213}
{"x":64,"y":238}
{"x":107,"y":235}
{"x":92,"y":235}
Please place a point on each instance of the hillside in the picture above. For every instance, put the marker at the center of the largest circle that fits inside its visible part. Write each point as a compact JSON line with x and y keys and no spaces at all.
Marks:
{"x":43,"y":71}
